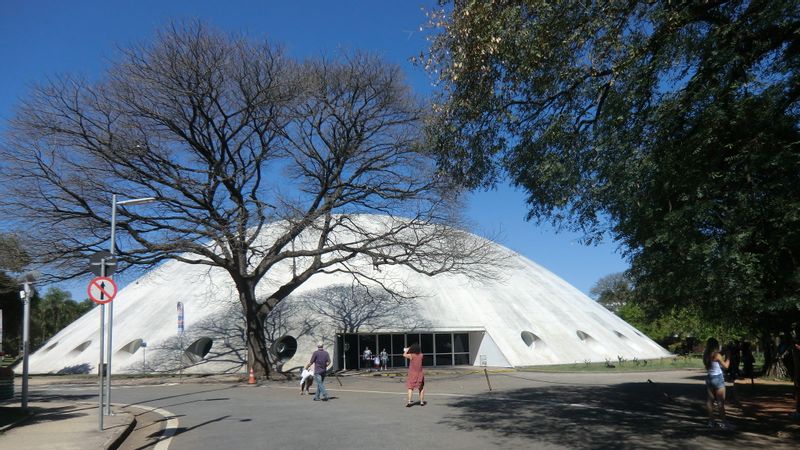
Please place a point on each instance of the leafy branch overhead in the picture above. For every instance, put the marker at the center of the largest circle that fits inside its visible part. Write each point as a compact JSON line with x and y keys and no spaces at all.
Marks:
{"x":672,"y":126}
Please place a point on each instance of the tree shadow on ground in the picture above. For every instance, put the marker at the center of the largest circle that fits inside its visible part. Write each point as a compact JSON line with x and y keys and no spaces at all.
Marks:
{"x":627,"y":415}
{"x":75,"y":370}
{"x":54,"y":414}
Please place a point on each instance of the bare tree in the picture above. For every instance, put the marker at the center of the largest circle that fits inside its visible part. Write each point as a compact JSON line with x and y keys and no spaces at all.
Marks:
{"x":231,"y":136}
{"x":357,"y":308}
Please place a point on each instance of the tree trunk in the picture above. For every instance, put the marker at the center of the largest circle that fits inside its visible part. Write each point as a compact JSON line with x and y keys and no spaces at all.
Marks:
{"x":767,"y":347}
{"x":257,"y":353}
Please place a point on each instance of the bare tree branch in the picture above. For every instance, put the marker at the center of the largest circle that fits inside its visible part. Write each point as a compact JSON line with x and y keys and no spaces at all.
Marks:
{"x":248,"y":153}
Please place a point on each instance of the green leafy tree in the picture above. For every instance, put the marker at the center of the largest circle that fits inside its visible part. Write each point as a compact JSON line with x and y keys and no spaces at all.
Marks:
{"x":52,"y":312}
{"x":670,"y":125}
{"x":13,"y":259}
{"x":678,"y":328}
{"x":613,"y":291}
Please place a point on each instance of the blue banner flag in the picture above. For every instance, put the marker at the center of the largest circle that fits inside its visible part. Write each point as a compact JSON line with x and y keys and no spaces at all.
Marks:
{"x":180,"y":318}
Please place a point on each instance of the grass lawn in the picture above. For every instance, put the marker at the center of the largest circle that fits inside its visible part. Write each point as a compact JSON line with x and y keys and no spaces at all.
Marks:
{"x":671,"y":363}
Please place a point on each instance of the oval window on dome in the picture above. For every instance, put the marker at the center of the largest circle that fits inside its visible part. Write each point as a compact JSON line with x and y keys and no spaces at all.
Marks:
{"x":131,"y":347}
{"x":529,"y":338}
{"x":620,"y":335}
{"x":81,"y":347}
{"x":583,"y":336}
{"x":198,"y":349}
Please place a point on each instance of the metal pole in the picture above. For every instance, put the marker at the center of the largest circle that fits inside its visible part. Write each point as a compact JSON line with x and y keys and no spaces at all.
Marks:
{"x":180,"y":359}
{"x":111,"y":304}
{"x":26,"y":318}
{"x":102,"y":337}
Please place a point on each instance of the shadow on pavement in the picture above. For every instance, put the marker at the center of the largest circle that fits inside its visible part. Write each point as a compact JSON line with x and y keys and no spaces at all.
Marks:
{"x":55,"y":414}
{"x":628,"y":415}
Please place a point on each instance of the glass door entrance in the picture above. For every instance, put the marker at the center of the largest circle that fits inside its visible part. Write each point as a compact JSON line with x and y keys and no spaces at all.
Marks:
{"x":438,"y":349}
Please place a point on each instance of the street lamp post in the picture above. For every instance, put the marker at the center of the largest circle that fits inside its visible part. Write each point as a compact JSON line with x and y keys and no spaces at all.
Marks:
{"x":114,"y":204}
{"x":25,"y":296}
{"x":26,"y":308}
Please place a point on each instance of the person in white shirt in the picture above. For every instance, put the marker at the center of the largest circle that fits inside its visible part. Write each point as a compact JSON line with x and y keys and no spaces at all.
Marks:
{"x":306,"y":380}
{"x":368,"y":359}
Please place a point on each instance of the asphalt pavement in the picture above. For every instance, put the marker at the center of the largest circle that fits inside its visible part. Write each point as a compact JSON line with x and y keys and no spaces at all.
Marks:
{"x":512,"y":409}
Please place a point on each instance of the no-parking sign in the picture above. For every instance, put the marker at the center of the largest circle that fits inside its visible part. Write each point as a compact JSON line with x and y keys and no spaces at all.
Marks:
{"x":102,"y":290}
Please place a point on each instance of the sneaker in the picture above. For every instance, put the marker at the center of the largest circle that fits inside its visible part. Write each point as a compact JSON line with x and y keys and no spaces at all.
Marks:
{"x":315,"y":399}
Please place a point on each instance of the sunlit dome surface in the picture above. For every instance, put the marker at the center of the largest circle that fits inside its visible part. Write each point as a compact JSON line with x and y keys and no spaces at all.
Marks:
{"x":527,"y":316}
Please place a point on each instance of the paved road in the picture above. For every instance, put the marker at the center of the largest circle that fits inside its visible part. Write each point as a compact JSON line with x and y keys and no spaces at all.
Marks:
{"x":524,"y":410}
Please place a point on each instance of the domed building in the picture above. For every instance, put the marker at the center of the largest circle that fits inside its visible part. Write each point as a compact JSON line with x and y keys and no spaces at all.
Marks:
{"x":523,"y":316}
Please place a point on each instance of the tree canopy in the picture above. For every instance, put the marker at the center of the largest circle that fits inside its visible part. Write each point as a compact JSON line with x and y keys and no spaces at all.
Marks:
{"x":613,"y":291}
{"x":231,"y":136}
{"x":670,"y":125}
{"x":13,"y":257}
{"x":679,"y":328}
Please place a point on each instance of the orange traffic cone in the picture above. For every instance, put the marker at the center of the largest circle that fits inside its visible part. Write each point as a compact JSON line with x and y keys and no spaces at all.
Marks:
{"x":252,"y":379}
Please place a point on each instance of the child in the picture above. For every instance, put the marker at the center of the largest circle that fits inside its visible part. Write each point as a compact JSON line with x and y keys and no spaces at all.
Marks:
{"x":306,"y":378}
{"x":376,"y":363}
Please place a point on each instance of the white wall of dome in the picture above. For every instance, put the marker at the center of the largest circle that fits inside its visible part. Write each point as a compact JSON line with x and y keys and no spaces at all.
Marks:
{"x":525,"y":317}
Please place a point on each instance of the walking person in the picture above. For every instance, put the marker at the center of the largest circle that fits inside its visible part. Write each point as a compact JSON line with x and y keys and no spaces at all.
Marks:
{"x":715,"y":383}
{"x":416,"y":377}
{"x":321,"y":360}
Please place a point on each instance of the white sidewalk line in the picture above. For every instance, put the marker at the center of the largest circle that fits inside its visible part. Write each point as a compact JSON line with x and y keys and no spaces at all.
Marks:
{"x":171,"y":427}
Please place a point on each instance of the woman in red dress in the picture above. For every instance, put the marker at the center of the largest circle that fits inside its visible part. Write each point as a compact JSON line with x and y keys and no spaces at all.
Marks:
{"x":416,"y":378}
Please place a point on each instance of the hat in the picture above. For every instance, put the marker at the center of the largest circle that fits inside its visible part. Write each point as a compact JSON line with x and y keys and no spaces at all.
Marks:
{"x":319,"y":344}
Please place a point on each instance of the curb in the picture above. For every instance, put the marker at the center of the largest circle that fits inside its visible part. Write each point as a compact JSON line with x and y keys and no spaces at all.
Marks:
{"x":114,"y":442}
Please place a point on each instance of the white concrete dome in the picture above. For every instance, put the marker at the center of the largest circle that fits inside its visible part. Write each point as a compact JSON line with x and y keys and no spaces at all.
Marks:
{"x":528,"y":316}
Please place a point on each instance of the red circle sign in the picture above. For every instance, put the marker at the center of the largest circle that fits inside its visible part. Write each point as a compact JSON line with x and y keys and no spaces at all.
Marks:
{"x":102,"y":290}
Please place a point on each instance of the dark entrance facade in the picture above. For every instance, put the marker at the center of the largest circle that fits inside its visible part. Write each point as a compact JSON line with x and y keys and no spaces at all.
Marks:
{"x":438,"y":349}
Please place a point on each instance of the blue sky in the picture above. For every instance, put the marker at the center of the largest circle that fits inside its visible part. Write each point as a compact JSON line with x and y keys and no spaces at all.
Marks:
{"x":44,"y":38}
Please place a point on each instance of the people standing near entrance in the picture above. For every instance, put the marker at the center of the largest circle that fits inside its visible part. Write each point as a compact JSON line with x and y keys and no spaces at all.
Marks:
{"x":321,"y":360}
{"x":376,"y":363}
{"x":715,"y":383}
{"x":384,"y":359}
{"x":416,"y":377}
{"x":368,"y":358}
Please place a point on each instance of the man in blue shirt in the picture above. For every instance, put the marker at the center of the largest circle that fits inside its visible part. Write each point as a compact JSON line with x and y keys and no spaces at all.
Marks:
{"x":321,"y":360}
